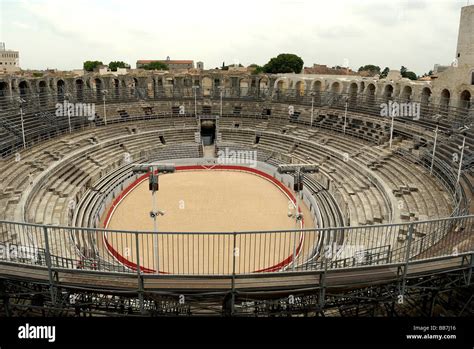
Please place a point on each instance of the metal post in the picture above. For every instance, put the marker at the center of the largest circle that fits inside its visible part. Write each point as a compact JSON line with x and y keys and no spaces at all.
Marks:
{"x":105,"y":112}
{"x":22,"y":126}
{"x":391,"y":130}
{"x":69,"y":117}
{"x":312,"y":111}
{"x":195,"y":100}
{"x":460,"y":159}
{"x":345,"y":117}
{"x":232,"y":306}
{"x":434,"y":149}
{"x":322,"y":286}
{"x":222,"y":92}
{"x":48,"y":264}
{"x":155,"y":230}
{"x":407,"y":259}
{"x":295,"y":233}
{"x":140,"y":284}
{"x":298,"y":179}
{"x":66,"y":108}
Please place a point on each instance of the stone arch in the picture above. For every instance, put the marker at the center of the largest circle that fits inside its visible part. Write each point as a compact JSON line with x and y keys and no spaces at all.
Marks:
{"x":23,"y":87}
{"x":43,"y":92}
{"x":472,"y":77}
{"x":42,"y":86}
{"x":316,"y":86}
{"x":79,"y":85}
{"x":336,"y":87}
{"x":426,"y":95}
{"x":465,"y":99}
{"x":116,"y":87}
{"x":133,"y":83}
{"x":188,"y":81}
{"x":3,"y":89}
{"x":353,"y":89}
{"x":150,"y":87}
{"x":406,"y":93}
{"x":244,"y":86}
{"x":425,"y":99}
{"x":388,"y":91}
{"x":300,"y":87}
{"x":281,"y":84}
{"x":264,"y":83}
{"x":206,"y":84}
{"x":370,"y":91}
{"x":98,"y":87}
{"x":445,"y":100}
{"x":60,"y":89}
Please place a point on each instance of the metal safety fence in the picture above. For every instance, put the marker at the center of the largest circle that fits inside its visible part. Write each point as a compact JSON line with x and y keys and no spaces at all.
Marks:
{"x":230,"y":253}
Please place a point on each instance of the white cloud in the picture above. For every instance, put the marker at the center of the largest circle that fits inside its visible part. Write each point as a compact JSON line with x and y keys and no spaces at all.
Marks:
{"x":62,"y":34}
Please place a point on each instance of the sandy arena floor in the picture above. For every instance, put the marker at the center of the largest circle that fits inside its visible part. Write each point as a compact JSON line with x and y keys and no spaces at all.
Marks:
{"x":209,"y":201}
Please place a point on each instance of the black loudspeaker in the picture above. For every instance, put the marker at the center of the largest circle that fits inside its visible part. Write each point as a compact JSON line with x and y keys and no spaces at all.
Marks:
{"x":153,"y":182}
{"x":153,"y":186}
{"x":297,"y":187}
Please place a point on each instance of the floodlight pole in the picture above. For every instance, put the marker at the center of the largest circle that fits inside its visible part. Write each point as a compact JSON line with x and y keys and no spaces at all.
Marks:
{"x":345,"y":117}
{"x":195,"y":100}
{"x":153,"y":170}
{"x":460,"y":160}
{"x":391,"y":130}
{"x":21,"y":100}
{"x":299,"y":180}
{"x":222,"y":93}
{"x":66,"y":98}
{"x":155,"y":228}
{"x":104,"y":92}
{"x":434,"y":149}
{"x":298,"y":171}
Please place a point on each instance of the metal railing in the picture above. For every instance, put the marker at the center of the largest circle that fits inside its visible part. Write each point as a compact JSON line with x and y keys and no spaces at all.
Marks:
{"x":228,"y":253}
{"x":41,"y":120}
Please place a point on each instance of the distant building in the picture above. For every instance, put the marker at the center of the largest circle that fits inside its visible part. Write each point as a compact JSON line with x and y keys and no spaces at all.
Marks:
{"x":172,"y":64}
{"x":200,"y":65}
{"x":438,"y":68}
{"x":9,"y":60}
{"x":465,"y":48}
{"x":325,"y":70}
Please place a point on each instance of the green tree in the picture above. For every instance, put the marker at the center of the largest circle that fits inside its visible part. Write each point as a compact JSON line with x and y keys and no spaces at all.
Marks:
{"x":410,"y":75}
{"x":372,"y":69}
{"x":384,"y":72}
{"x":256,"y":69}
{"x":405,"y":73}
{"x":91,"y":65}
{"x":155,"y":66}
{"x":284,"y":63}
{"x":117,"y":64}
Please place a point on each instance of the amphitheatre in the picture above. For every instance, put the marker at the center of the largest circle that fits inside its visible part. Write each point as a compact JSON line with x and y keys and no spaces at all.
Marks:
{"x":386,"y":210}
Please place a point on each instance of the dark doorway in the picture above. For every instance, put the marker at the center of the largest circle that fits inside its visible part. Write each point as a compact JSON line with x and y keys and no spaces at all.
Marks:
{"x":208,"y":132}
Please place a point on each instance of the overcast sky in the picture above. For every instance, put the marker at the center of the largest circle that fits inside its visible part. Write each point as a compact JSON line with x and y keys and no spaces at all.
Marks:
{"x":63,"y":33}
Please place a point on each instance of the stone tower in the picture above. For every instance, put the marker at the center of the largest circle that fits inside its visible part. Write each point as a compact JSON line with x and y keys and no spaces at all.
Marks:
{"x":465,"y":49}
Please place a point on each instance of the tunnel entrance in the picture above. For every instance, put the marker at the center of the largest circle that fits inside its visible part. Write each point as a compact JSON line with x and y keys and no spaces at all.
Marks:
{"x":208,"y":132}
